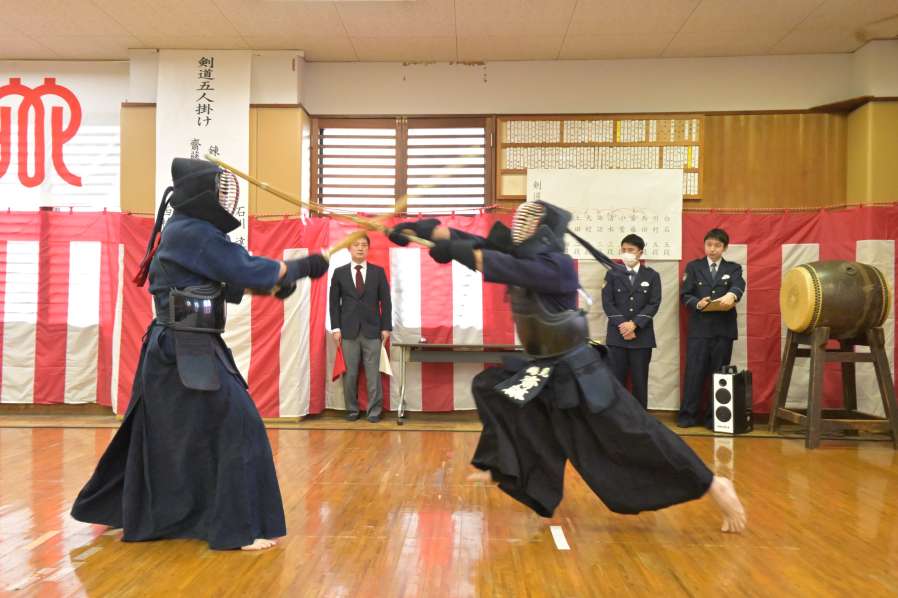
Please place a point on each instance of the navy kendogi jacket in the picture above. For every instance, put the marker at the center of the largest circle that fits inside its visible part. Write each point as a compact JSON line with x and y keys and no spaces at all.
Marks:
{"x":697,"y":284}
{"x":552,"y":275}
{"x":639,"y":303}
{"x":195,"y":252}
{"x":581,"y":375}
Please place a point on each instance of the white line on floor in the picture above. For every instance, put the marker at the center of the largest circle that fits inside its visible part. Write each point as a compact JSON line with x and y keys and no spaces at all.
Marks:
{"x":41,"y":540}
{"x":87,"y":553}
{"x":558,"y":536}
{"x":62,"y":572}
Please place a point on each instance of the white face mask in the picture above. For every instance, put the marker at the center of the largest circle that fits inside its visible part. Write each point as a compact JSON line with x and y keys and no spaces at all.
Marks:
{"x":525,"y":221}
{"x":629,"y":259}
{"x":228,"y":191}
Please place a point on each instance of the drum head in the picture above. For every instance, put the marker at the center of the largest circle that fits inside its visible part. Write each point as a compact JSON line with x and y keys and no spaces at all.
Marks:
{"x":798,"y":299}
{"x":887,"y":296}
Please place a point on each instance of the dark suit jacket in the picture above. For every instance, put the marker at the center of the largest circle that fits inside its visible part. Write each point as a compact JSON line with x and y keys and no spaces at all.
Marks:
{"x":639,"y":303}
{"x":366,"y":314}
{"x":697,"y":284}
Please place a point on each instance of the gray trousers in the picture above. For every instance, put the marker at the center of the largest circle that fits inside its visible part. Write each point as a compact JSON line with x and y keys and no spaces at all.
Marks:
{"x":366,"y":350}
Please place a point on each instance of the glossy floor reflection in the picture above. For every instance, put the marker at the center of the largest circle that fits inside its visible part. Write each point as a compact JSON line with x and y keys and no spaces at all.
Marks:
{"x":390,"y":514}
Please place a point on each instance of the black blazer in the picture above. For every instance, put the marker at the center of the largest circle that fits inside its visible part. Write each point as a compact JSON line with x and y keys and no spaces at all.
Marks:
{"x":697,"y":284}
{"x":366,"y":314}
{"x":639,"y":303}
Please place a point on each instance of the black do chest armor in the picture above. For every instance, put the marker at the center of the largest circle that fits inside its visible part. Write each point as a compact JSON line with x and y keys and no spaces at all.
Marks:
{"x":542,"y":332}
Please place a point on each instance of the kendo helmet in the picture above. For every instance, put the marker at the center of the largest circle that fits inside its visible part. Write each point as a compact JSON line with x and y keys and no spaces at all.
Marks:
{"x":199,"y":189}
{"x":202,"y":190}
{"x":538,"y":227}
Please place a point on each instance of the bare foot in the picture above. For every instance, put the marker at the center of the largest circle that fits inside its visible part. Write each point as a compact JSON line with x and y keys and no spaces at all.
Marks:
{"x":259,"y":544}
{"x":724,"y":494}
{"x":479,"y":476}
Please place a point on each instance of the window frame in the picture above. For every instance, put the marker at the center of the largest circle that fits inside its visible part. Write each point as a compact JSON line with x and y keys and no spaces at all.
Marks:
{"x":401,"y":125}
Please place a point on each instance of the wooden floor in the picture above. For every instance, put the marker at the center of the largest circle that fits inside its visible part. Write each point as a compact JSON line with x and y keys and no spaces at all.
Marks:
{"x":456,"y":421}
{"x":390,"y":514}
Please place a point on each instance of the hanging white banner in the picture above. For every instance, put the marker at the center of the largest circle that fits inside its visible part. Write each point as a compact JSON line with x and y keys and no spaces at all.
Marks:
{"x":610,"y":204}
{"x":202,"y":106}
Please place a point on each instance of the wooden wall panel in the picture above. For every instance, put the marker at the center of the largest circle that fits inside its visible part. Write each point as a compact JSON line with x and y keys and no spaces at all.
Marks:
{"x":872,"y":165}
{"x":276,"y":157}
{"x":857,"y":164}
{"x":138,"y":159}
{"x":774,"y":161}
{"x":750,"y":161}
{"x":276,"y":154}
{"x":884,"y":153}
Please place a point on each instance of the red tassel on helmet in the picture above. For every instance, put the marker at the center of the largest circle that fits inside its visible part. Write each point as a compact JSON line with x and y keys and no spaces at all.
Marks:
{"x":144,"y":270}
{"x":153,"y":244}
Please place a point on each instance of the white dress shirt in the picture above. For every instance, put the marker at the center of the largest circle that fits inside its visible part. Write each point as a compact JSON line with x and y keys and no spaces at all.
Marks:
{"x":352,"y":272}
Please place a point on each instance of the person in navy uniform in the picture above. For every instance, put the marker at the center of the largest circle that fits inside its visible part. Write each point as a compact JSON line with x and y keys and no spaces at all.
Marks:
{"x":561,"y":402}
{"x":711,"y":334}
{"x":192,"y":458}
{"x":630,"y":299}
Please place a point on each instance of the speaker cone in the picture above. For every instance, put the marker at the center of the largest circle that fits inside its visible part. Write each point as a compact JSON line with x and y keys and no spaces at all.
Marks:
{"x":723,"y":396}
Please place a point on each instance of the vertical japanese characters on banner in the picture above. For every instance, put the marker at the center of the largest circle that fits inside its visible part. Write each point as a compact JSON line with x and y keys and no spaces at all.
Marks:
{"x":610,"y":204}
{"x":206,"y":77}
{"x":203,"y":108}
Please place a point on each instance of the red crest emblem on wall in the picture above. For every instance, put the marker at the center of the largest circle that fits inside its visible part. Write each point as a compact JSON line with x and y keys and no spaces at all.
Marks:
{"x":32,"y":110}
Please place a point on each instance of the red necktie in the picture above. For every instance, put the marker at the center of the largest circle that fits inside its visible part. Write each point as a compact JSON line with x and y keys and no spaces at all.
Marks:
{"x":359,"y":283}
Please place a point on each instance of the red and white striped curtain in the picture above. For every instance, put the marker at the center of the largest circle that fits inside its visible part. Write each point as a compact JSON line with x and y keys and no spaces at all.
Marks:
{"x":72,"y":321}
{"x":59,"y":274}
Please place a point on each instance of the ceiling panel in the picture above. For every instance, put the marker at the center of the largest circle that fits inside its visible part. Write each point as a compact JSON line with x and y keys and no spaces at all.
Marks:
{"x":87,"y":47}
{"x":494,"y":47}
{"x":315,"y":48}
{"x":886,"y":29}
{"x":749,"y":15}
{"x":445,"y":30}
{"x":722,"y":43}
{"x":510,"y":18}
{"x":817,"y":42}
{"x":60,"y":17}
{"x":22,"y":47}
{"x":404,"y":49}
{"x":848,"y":15}
{"x":587,"y":47}
{"x":397,"y":19}
{"x":195,"y":42}
{"x":169,"y":17}
{"x":616,"y":17}
{"x":7,"y":29}
{"x":258,"y":19}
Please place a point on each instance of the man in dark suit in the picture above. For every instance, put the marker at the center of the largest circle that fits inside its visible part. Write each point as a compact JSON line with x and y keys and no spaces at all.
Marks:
{"x":631,"y":299}
{"x":711,"y":334}
{"x":361,"y":319}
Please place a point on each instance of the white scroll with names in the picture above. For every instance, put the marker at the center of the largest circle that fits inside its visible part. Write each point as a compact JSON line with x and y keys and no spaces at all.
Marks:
{"x":202,"y":106}
{"x":609,"y":204}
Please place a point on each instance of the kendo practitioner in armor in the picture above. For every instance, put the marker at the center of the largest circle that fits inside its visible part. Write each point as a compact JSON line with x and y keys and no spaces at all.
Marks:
{"x":564,"y":402}
{"x":191,"y":458}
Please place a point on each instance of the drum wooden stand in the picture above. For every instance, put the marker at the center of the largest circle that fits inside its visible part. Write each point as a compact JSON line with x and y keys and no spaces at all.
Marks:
{"x":817,"y":420}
